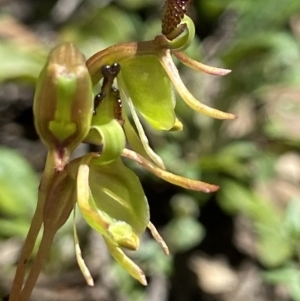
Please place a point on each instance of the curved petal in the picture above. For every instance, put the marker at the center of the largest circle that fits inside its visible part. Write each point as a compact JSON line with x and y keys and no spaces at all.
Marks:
{"x":190,"y":100}
{"x":197,"y":66}
{"x":143,"y":138}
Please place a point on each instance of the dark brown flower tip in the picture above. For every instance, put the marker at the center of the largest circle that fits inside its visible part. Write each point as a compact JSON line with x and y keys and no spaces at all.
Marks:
{"x":173,"y":13}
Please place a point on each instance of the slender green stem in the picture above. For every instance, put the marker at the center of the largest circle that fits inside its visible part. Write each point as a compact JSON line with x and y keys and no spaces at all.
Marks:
{"x":34,"y":230}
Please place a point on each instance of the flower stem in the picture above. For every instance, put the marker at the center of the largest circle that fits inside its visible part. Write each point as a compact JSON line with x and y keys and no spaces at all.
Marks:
{"x":35,"y":270}
{"x":34,"y":229}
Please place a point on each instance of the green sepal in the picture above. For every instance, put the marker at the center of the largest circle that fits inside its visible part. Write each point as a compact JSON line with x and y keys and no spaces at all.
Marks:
{"x":117,"y":192}
{"x":145,"y":81}
{"x":98,"y":219}
{"x":112,"y":201}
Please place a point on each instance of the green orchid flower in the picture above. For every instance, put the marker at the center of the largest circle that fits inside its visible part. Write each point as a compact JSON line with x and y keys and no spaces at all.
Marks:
{"x":147,"y":80}
{"x":108,"y":194}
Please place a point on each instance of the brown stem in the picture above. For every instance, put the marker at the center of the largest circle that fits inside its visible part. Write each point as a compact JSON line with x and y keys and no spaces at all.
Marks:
{"x":34,"y":230}
{"x":35,"y":270}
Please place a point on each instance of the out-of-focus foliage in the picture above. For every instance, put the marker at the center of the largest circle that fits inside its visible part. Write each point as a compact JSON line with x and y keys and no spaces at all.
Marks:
{"x":255,"y":159}
{"x":18,"y":188}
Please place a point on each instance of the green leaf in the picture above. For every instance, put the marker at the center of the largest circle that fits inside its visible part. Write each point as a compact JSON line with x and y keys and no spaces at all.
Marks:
{"x":18,"y":184}
{"x":273,"y":246}
{"x":292,"y":218}
{"x":19,"y":63}
{"x":150,"y":89}
{"x":184,"y":233}
{"x":289,"y":276}
{"x":14,"y":227}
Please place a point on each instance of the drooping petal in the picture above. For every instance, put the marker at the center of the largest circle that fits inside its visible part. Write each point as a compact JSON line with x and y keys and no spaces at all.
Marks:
{"x":86,"y":203}
{"x":133,"y":138}
{"x":190,"y":100}
{"x":143,"y":138}
{"x":125,"y":262}
{"x":83,"y":268}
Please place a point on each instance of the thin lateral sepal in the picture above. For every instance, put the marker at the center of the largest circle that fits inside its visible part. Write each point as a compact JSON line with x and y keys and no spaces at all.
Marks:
{"x":197,"y":66}
{"x":168,"y":176}
{"x":34,"y":229}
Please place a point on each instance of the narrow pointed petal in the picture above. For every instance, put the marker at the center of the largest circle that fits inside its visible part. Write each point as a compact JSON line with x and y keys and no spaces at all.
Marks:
{"x":189,"y":99}
{"x":197,"y":66}
{"x":133,"y":138}
{"x":158,"y":238}
{"x":169,"y":177}
{"x":145,"y":142}
{"x":83,"y":268}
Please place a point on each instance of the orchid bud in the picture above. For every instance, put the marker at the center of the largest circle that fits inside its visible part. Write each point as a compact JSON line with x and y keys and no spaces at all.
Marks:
{"x":63,"y":102}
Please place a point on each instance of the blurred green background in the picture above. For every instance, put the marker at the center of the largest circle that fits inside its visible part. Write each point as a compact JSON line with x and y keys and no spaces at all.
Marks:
{"x":241,"y":243}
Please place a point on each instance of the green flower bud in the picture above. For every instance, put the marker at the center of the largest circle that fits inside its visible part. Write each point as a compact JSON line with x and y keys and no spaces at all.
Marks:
{"x":63,"y":102}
